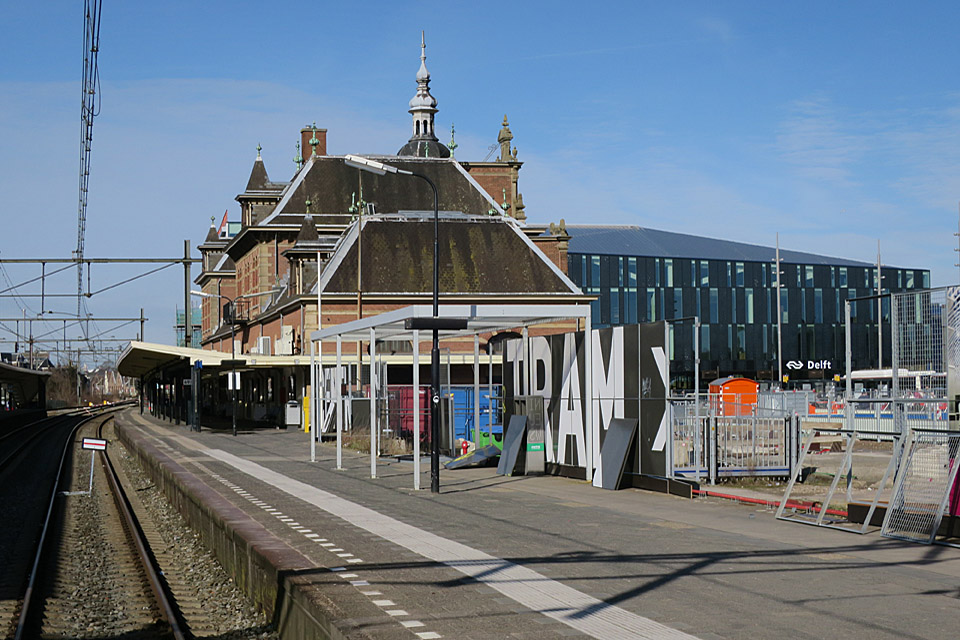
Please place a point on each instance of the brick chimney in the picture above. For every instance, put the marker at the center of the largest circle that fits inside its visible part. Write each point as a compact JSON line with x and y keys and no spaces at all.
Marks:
{"x":307,"y":134}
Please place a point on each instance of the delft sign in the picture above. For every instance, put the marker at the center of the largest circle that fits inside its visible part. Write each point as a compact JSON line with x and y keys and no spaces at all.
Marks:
{"x":810,"y":365}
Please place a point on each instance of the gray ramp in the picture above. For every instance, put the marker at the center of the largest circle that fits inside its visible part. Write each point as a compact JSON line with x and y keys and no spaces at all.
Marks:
{"x":618,"y":442}
{"x":512,"y":442}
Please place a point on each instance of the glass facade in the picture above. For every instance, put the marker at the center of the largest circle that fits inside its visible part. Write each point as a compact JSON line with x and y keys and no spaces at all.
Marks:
{"x":737,"y":306}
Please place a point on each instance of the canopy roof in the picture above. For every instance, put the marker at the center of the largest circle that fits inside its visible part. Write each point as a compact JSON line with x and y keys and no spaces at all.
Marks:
{"x":140,"y":358}
{"x":392,"y":325}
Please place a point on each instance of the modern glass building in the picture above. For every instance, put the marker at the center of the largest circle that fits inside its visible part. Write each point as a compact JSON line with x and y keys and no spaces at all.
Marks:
{"x":643,"y":275}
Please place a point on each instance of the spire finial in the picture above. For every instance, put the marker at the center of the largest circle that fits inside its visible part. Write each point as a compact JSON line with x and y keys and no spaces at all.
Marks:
{"x":314,"y":141}
{"x":423,"y":47}
{"x":212,"y":221}
{"x":258,"y":151}
{"x":453,"y":143}
{"x":308,"y":206}
{"x":298,"y":159}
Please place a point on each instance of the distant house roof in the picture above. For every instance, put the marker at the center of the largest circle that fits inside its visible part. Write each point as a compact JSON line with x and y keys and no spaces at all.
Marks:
{"x":640,"y":241}
{"x":478,"y":255}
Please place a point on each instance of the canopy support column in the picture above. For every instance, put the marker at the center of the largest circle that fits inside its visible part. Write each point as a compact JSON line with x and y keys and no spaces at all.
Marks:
{"x":340,"y":405}
{"x":416,"y":410}
{"x":373,"y":403}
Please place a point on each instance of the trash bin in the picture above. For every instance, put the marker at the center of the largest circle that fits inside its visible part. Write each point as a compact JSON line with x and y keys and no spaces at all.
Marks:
{"x":292,"y":414}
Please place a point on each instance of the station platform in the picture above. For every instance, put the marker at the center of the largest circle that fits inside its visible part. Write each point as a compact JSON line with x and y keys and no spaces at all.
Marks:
{"x":335,"y":553}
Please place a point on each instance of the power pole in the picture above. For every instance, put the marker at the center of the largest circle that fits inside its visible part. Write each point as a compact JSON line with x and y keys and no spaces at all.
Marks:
{"x":187,"y":316}
{"x":79,"y":400}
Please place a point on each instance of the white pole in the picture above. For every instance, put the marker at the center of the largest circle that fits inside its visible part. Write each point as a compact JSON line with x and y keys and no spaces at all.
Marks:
{"x":90,"y":487}
{"x":879,"y":312}
{"x":340,"y":404}
{"x":314,"y":425}
{"x":373,"y":403}
{"x":696,"y":395}
{"x":416,"y":410}
{"x":476,"y":391}
{"x":526,"y":362}
{"x":848,"y":414}
{"x":490,"y":392}
{"x":779,"y":323}
{"x":588,"y":391}
{"x":314,"y":397}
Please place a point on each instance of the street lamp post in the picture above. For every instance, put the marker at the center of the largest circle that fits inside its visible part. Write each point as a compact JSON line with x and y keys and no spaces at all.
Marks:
{"x":379,"y":168}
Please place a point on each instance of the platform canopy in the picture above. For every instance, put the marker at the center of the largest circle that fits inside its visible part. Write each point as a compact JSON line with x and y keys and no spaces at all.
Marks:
{"x":27,"y":381}
{"x":399,"y":324}
{"x":140,"y":358}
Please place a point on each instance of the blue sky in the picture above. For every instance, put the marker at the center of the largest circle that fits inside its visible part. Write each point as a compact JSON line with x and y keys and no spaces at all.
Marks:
{"x":833,"y":124}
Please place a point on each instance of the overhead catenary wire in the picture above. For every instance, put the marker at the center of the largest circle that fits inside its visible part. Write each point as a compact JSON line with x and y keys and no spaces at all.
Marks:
{"x":90,"y":108}
{"x":128,"y":280}
{"x":14,"y":287}
{"x":16,"y":296}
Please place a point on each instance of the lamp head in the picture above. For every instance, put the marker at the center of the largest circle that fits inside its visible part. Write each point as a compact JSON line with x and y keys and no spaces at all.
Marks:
{"x":372,"y":166}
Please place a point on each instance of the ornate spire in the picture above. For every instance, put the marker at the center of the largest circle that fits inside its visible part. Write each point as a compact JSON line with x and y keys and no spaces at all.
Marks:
{"x":453,"y":143}
{"x":423,"y":75}
{"x":298,"y":159}
{"x":258,"y":151}
{"x":314,"y":141}
{"x":423,"y":107}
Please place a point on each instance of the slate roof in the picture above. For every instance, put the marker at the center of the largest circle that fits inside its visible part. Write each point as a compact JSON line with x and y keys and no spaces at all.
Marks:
{"x":487,"y":255}
{"x":640,"y":241}
{"x":424,"y":148}
{"x":212,"y":236}
{"x":225,"y":264}
{"x":332,"y":187}
{"x":308,"y":240}
{"x":260,"y":181}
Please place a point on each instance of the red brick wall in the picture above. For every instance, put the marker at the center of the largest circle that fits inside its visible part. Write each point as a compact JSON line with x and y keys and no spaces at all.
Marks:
{"x":305,"y":150}
{"x":554,"y":249}
{"x":494,"y":180}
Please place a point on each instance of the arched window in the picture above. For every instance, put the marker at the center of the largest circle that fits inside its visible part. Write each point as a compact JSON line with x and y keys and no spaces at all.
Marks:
{"x":418,"y":127}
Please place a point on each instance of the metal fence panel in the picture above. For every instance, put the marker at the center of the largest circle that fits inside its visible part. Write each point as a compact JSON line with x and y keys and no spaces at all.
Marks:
{"x":732,"y":439}
{"x":923,"y":486}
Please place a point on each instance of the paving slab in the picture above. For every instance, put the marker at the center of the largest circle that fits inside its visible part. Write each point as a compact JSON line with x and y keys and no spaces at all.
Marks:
{"x":548,"y":557}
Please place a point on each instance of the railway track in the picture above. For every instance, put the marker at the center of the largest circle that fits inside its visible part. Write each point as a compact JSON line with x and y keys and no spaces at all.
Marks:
{"x":95,"y":564}
{"x":92,"y":574}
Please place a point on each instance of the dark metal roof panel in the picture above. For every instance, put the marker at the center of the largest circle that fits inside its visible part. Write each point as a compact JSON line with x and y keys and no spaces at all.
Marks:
{"x":475,"y":257}
{"x":640,"y":241}
{"x":332,"y":187}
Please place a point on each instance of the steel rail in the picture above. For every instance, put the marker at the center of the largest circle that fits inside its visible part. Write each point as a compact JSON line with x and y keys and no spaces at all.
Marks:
{"x":53,"y":423}
{"x":157,"y":585}
{"x":35,"y":570}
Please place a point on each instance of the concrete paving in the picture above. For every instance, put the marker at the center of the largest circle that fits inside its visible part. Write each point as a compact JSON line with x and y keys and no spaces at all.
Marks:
{"x":546,"y":557}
